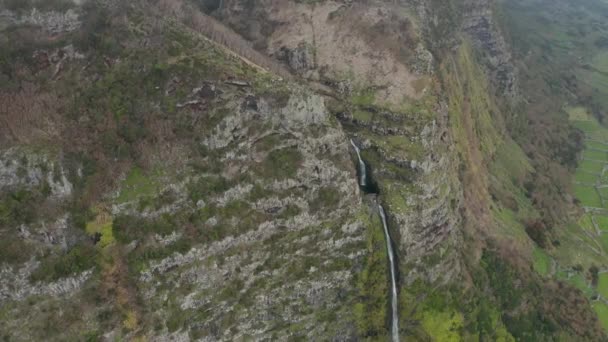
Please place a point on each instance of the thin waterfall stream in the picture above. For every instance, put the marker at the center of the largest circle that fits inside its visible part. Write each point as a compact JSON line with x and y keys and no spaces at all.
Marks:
{"x":391,"y":258}
{"x":389,"y":247}
{"x":362,"y":171}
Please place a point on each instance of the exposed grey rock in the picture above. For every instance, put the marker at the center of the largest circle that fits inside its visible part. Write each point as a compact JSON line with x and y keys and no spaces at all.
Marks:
{"x":305,"y":108}
{"x":30,"y":169}
{"x":423,"y":61}
{"x":48,"y":233}
{"x":15,"y":285}
{"x":300,"y":58}
{"x":53,"y":22}
{"x":168,"y":239}
{"x":479,"y":23}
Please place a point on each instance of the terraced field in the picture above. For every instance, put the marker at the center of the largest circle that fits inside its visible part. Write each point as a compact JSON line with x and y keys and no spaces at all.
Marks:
{"x":591,"y":178}
{"x":591,"y":189}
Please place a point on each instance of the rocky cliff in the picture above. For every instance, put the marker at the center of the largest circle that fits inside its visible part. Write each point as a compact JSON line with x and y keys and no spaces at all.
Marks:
{"x":182,"y":170}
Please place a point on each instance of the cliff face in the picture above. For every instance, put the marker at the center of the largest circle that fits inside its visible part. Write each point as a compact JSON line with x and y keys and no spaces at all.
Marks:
{"x":172,"y":180}
{"x":479,"y":23}
{"x":184,"y":194}
{"x":380,"y":65}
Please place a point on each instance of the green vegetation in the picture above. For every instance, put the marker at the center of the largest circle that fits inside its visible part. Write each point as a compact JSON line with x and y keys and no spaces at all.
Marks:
{"x":12,"y":249}
{"x":602,"y":285}
{"x":281,"y":164}
{"x":207,"y":186}
{"x":602,"y":222}
{"x":102,"y":228}
{"x":362,"y":115}
{"x":328,"y":198}
{"x":585,"y":178}
{"x":588,"y":196}
{"x":128,"y":228}
{"x":140,"y":258}
{"x":21,"y":206}
{"x":542,"y":262}
{"x":364,"y":97}
{"x":602,"y":313}
{"x":137,"y":185}
{"x":596,"y":155}
{"x":592,"y":166}
{"x":17,"y":207}
{"x":78,"y":259}
{"x":443,"y":326}
{"x":370,"y":309}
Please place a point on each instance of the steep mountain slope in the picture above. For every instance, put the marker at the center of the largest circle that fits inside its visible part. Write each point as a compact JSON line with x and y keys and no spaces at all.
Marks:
{"x":184,"y":192}
{"x":163,"y":177}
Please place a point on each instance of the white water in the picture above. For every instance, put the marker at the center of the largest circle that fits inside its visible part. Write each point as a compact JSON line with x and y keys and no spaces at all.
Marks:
{"x":362,"y":172}
{"x":391,"y":258}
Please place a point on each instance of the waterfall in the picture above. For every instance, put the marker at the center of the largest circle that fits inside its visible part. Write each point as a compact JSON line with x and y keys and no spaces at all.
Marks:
{"x":391,"y":258}
{"x":362,"y":172}
{"x":389,"y":246}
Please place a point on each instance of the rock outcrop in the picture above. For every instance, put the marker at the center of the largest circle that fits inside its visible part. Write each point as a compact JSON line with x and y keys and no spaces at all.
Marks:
{"x":479,"y":23}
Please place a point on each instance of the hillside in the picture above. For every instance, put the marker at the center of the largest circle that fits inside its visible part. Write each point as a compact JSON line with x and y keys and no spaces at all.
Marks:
{"x":175,"y":170}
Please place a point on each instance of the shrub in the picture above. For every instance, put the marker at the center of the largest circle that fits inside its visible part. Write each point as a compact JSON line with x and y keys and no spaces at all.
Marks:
{"x":282,"y":163}
{"x":538,"y":232}
{"x":594,"y":271}
{"x":21,"y":206}
{"x":207,"y":186}
{"x":78,"y":259}
{"x":327,"y":198}
{"x":13,"y":250}
{"x":128,"y":227}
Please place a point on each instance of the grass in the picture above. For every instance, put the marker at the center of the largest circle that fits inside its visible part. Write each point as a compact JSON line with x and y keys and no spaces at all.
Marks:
{"x":590,"y":144}
{"x":586,"y":223}
{"x":586,"y":126}
{"x":591,"y":166}
{"x":582,"y":120}
{"x":510,"y":224}
{"x":604,"y":242}
{"x":362,"y":115}
{"x":603,"y":192}
{"x":137,"y":184}
{"x":575,"y":279}
{"x":600,"y":61}
{"x":579,"y":281}
{"x":397,"y":145}
{"x":364,"y":97}
{"x":588,"y":196}
{"x":574,"y":246}
{"x":602,"y":286}
{"x":102,"y":226}
{"x":595,"y":155}
{"x":602,"y":313}
{"x":585,"y":177}
{"x":542,"y":261}
{"x":602,"y":222}
{"x":577,"y":113}
{"x":596,"y":80}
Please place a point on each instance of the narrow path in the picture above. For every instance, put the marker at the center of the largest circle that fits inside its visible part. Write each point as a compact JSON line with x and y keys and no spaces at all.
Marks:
{"x":597,"y":141}
{"x":595,"y":161}
{"x":584,"y":184}
{"x":591,"y":173}
{"x":597,"y":228}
